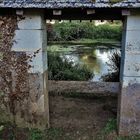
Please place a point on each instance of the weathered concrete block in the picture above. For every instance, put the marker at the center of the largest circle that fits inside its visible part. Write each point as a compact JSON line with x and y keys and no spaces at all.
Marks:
{"x":132,"y":41}
{"x":132,"y":64}
{"x":30,"y":41}
{"x":129,"y":103}
{"x":133,"y":23}
{"x":27,"y":40}
{"x":31,"y":21}
{"x":130,"y":81}
{"x":130,"y":109}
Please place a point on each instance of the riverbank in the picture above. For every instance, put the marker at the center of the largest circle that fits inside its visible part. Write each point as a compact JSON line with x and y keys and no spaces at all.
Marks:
{"x":88,"y":42}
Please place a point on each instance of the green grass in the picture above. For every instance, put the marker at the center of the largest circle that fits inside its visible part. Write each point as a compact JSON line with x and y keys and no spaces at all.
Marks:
{"x":87,"y":42}
{"x":49,"y":134}
{"x":35,"y":134}
{"x":7,"y":133}
{"x":110,"y":126}
{"x":110,"y":130}
{"x":56,"y":134}
{"x":107,"y":133}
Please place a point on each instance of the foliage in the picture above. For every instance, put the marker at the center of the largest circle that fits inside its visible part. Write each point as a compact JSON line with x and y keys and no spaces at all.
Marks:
{"x":35,"y":134}
{"x":110,"y":126}
{"x":110,"y":132}
{"x":66,"y":31}
{"x":7,"y":62}
{"x":114,"y":65}
{"x":56,"y":134}
{"x":32,"y":134}
{"x":62,"y":69}
{"x":14,"y":73}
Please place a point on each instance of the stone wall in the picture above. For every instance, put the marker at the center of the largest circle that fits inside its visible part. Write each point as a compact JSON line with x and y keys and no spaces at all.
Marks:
{"x":8,"y":25}
{"x":129,"y":100}
{"x":84,"y":87}
{"x":23,"y":71}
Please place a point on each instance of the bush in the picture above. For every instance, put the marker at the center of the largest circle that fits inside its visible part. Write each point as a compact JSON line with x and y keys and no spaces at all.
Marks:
{"x":62,"y":69}
{"x":114,"y":65}
{"x":66,"y":31}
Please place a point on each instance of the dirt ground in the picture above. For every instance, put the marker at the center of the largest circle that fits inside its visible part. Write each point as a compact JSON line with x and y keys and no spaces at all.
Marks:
{"x":81,"y":118}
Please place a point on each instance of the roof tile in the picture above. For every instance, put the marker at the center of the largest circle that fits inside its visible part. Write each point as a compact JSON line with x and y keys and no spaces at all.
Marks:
{"x":68,"y":3}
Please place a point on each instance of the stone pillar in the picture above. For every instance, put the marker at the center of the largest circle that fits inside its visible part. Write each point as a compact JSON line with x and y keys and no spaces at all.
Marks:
{"x":31,"y":40}
{"x":129,"y":100}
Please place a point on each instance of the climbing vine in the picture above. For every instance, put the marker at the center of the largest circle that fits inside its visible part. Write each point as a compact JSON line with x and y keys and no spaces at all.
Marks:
{"x":14,"y":70}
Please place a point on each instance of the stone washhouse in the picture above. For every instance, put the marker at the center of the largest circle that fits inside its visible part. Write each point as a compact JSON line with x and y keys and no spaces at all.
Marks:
{"x":28,"y":18}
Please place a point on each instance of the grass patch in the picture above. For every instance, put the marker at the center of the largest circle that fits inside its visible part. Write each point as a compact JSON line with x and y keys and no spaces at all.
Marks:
{"x":6,"y":133}
{"x":110,"y":126}
{"x":109,"y":132}
{"x":56,"y":134}
{"x":88,"y":42}
{"x":35,"y":134}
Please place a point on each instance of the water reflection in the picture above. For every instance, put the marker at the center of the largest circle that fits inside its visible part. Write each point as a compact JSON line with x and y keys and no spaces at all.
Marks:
{"x":94,"y":58}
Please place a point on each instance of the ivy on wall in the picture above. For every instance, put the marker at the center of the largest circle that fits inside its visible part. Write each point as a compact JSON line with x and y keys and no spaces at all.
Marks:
{"x":14,"y":71}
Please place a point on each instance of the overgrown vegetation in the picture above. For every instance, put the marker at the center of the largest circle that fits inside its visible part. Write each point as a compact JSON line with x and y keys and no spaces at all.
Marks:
{"x":66,"y":31}
{"x":114,"y":71}
{"x":109,"y":132}
{"x":62,"y":69}
{"x":6,"y":133}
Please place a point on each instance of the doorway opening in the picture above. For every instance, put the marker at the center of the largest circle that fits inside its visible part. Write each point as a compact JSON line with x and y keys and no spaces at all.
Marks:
{"x":84,"y":50}
{"x":79,"y":56}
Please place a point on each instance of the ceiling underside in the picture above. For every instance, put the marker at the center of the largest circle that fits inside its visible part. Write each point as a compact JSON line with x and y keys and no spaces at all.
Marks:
{"x":81,"y":14}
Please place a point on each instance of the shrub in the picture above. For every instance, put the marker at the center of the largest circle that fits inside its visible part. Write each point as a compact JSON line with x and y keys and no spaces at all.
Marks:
{"x":66,"y":31}
{"x":114,"y":65}
{"x":62,"y":69}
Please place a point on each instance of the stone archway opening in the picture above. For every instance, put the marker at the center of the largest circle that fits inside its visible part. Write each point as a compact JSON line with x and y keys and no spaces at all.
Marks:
{"x":102,"y":87}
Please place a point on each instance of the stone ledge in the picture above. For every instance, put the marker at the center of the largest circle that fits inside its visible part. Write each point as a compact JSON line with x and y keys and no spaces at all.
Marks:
{"x":85,"y":87}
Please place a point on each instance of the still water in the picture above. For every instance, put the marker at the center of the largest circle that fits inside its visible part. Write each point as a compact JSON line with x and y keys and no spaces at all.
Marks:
{"x":94,"y":57}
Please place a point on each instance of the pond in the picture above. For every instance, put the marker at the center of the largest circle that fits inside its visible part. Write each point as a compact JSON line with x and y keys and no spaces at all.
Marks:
{"x":94,"y":57}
